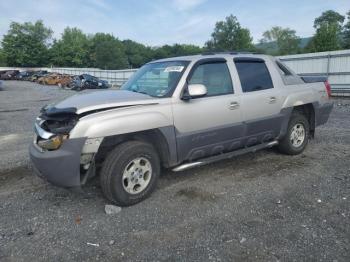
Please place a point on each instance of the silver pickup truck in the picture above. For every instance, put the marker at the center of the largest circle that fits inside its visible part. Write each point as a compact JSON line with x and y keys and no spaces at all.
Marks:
{"x":177,"y":113}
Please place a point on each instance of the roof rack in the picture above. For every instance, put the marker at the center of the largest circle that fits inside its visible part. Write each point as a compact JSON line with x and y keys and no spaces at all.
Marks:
{"x":230,"y":53}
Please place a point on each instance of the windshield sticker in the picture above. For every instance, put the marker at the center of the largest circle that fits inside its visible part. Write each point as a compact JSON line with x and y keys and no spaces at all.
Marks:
{"x":173,"y":69}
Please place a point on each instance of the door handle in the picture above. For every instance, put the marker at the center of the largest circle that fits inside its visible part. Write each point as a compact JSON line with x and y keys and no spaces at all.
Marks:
{"x":272,"y":99}
{"x":234,"y":105}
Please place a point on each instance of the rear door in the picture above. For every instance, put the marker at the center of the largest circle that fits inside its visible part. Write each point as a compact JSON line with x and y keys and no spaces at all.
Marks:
{"x":261,"y":100}
{"x":211,"y":124}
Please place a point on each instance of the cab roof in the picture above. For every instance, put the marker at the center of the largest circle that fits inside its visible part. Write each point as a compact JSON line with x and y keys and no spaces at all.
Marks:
{"x":226,"y":55}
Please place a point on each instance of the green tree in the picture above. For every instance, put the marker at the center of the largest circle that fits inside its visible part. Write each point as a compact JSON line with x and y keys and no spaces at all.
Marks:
{"x":329,"y":17}
{"x":228,"y":35}
{"x":176,"y":50}
{"x":2,"y":58}
{"x":346,"y":32}
{"x":137,"y":54}
{"x":71,"y":50}
{"x":108,"y":52}
{"x":185,"y":49}
{"x":328,"y":32}
{"x":285,"y":38}
{"x":26,"y":44}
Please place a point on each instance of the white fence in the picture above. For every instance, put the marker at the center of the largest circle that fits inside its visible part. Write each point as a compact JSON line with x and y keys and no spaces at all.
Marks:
{"x":335,"y":65}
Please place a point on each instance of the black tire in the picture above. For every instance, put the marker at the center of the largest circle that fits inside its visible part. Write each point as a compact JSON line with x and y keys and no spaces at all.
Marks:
{"x":113,"y":167}
{"x":285,"y":144}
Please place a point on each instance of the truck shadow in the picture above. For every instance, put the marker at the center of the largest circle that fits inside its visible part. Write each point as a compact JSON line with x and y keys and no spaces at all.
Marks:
{"x":186,"y":184}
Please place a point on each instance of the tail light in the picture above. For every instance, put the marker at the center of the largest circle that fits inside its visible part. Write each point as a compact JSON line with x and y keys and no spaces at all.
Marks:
{"x":328,"y":88}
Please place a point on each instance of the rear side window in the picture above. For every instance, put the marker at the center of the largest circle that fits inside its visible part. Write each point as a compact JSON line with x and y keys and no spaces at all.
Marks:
{"x":254,"y":75}
{"x":215,"y":77}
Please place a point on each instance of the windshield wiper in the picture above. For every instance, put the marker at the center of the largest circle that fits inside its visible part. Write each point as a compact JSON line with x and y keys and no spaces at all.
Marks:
{"x":141,"y":92}
{"x":138,"y":91}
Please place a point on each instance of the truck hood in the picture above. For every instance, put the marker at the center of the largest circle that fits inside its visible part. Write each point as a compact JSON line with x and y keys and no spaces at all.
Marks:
{"x":100,"y":100}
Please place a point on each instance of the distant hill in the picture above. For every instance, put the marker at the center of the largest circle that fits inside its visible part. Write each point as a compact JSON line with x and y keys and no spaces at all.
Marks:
{"x":271,"y":47}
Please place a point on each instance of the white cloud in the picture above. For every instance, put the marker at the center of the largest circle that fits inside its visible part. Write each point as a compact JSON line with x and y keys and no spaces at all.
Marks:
{"x":194,"y":30}
{"x":99,"y":4}
{"x":185,"y":5}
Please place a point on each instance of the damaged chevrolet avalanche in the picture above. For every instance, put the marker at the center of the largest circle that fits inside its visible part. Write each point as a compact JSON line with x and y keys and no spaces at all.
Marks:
{"x":177,"y":113}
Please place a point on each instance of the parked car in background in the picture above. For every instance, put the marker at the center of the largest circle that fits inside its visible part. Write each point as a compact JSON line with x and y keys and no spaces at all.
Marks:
{"x":3,"y":72}
{"x":37,"y":75}
{"x":177,"y":113}
{"x":24,"y":75}
{"x":49,"y":79}
{"x":9,"y":75}
{"x":81,"y":82}
{"x":40,"y":79}
{"x":86,"y":81}
{"x":64,"y":80}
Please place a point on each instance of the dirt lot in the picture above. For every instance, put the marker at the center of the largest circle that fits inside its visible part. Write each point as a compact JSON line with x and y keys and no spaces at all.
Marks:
{"x":258,"y":207}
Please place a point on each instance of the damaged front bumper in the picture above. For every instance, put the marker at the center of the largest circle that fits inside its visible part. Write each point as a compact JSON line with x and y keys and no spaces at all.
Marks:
{"x":60,"y":167}
{"x":67,"y":164}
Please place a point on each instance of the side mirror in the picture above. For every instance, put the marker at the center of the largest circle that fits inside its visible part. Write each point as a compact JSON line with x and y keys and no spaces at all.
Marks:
{"x":194,"y":91}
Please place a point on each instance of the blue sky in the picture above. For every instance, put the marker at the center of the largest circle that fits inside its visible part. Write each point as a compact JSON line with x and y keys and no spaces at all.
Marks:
{"x":158,"y":22}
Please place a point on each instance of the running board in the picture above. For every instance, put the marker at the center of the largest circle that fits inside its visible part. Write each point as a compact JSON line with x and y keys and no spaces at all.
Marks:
{"x":208,"y":160}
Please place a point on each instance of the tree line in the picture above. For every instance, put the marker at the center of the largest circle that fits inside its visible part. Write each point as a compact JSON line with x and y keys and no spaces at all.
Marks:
{"x":32,"y":44}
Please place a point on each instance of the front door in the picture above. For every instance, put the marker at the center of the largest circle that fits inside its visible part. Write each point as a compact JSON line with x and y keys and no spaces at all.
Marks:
{"x":211,"y":124}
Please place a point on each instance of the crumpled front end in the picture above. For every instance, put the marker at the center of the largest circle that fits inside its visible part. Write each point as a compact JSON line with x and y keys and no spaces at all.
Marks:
{"x":65,"y":157}
{"x":56,"y":157}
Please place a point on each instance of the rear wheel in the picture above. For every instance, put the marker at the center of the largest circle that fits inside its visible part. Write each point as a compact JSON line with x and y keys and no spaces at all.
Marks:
{"x":297,"y":135}
{"x":130,"y":173}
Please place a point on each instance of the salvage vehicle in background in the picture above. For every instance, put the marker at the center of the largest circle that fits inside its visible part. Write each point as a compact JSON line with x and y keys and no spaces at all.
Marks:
{"x":49,"y":79}
{"x":55,"y":79}
{"x":86,"y":81}
{"x":64,"y":80}
{"x":78,"y":83}
{"x":38,"y":75}
{"x":177,"y":113}
{"x":9,"y":75}
{"x":24,"y":75}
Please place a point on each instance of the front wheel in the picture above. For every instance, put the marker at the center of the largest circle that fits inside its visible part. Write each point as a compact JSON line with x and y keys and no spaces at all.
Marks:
{"x":297,"y":135}
{"x":130,"y":173}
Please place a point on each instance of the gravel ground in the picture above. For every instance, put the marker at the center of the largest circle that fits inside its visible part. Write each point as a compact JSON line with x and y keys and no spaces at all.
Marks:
{"x":257,"y":207}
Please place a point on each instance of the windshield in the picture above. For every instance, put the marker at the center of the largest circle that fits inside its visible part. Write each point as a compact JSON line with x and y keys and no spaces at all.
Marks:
{"x":156,"y":79}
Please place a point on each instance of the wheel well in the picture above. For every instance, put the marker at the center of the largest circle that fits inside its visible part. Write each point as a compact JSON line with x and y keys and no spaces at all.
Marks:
{"x":309,"y":111}
{"x":152,"y":136}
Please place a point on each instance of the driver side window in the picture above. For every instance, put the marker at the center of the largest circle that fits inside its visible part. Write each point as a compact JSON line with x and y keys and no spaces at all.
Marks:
{"x":215,"y":77}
